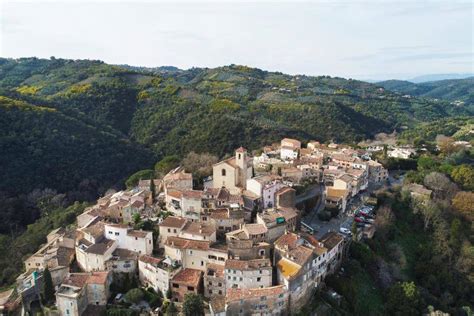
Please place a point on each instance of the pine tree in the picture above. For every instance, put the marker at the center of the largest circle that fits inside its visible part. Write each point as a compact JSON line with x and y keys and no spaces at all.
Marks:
{"x":193,"y":305}
{"x":48,"y":287}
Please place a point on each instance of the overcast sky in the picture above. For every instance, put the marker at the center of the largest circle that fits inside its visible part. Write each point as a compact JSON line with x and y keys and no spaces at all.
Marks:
{"x":371,"y":39}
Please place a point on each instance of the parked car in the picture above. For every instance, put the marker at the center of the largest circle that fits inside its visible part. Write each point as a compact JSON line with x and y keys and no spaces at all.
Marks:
{"x":359,"y":219}
{"x":119,"y":297}
{"x":345,"y":231}
{"x":360,"y":214}
{"x":364,"y":211}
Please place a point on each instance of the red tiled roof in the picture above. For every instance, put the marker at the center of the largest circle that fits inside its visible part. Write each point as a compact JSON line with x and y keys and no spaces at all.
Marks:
{"x":331,"y":240}
{"x":217,"y":268}
{"x":289,"y":239}
{"x":175,"y":193}
{"x":221,"y":213}
{"x":300,"y":255}
{"x":247,"y":264}
{"x":98,"y":278}
{"x":255,"y":229}
{"x":137,"y":233}
{"x":234,"y":294}
{"x":76,"y":279}
{"x":174,"y":221}
{"x":192,"y":194}
{"x":188,"y":277}
{"x":150,"y":259}
{"x":196,"y":228}
{"x":182,"y":243}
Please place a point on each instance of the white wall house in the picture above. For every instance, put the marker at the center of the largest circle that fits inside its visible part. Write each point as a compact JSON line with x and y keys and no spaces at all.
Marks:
{"x":156,"y":272}
{"x":134,"y":240}
{"x":246,"y":274}
{"x":265,"y":187}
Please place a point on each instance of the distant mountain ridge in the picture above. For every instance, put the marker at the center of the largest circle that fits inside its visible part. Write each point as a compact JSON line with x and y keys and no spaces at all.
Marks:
{"x":438,"y":77}
{"x":450,"y":89}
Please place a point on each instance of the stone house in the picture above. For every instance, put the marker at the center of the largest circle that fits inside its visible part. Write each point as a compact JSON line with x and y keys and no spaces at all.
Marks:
{"x":186,"y":281}
{"x":257,"y":301}
{"x":79,"y":290}
{"x":242,"y":274}
{"x":214,"y":280}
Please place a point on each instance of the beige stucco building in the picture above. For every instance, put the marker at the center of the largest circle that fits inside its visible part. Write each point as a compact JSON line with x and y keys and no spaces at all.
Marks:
{"x":233,"y":173}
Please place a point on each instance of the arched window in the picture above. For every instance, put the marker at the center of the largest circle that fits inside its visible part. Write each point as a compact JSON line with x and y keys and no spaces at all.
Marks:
{"x":223,"y":172}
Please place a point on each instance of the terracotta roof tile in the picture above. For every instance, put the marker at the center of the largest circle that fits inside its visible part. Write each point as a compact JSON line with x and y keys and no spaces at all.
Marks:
{"x":216,"y":269}
{"x":331,"y":240}
{"x":150,"y":259}
{"x":174,"y":221}
{"x":193,"y":194}
{"x":255,"y":229}
{"x":175,"y":193}
{"x":182,"y":243}
{"x":76,"y":279}
{"x":247,"y":264}
{"x":98,"y":278}
{"x":238,"y":294}
{"x":203,"y":229}
{"x":188,"y":277}
{"x":289,"y":239}
{"x":138,"y":233}
{"x":101,"y":247}
{"x":300,"y":255}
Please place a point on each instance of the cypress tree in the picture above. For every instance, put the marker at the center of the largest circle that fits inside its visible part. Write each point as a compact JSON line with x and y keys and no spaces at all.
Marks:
{"x":152,"y":189}
{"x":48,"y":287}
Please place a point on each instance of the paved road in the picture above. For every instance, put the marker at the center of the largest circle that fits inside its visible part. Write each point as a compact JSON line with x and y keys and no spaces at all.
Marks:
{"x":323,"y":227}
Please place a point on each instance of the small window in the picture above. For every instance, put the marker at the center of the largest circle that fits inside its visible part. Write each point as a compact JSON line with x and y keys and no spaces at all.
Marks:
{"x":175,"y":285}
{"x":169,"y":230}
{"x":117,"y":234}
{"x":223,"y":172}
{"x":259,"y":279}
{"x":190,"y":288}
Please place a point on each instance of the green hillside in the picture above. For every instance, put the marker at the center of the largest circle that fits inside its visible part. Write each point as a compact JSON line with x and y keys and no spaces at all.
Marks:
{"x":101,"y":122}
{"x":452,"y":90}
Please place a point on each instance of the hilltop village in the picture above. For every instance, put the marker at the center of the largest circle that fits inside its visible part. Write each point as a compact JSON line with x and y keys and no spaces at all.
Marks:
{"x":242,"y":241}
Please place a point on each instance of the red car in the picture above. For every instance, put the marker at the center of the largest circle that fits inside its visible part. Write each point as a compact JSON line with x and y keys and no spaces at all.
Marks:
{"x":358,"y":219}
